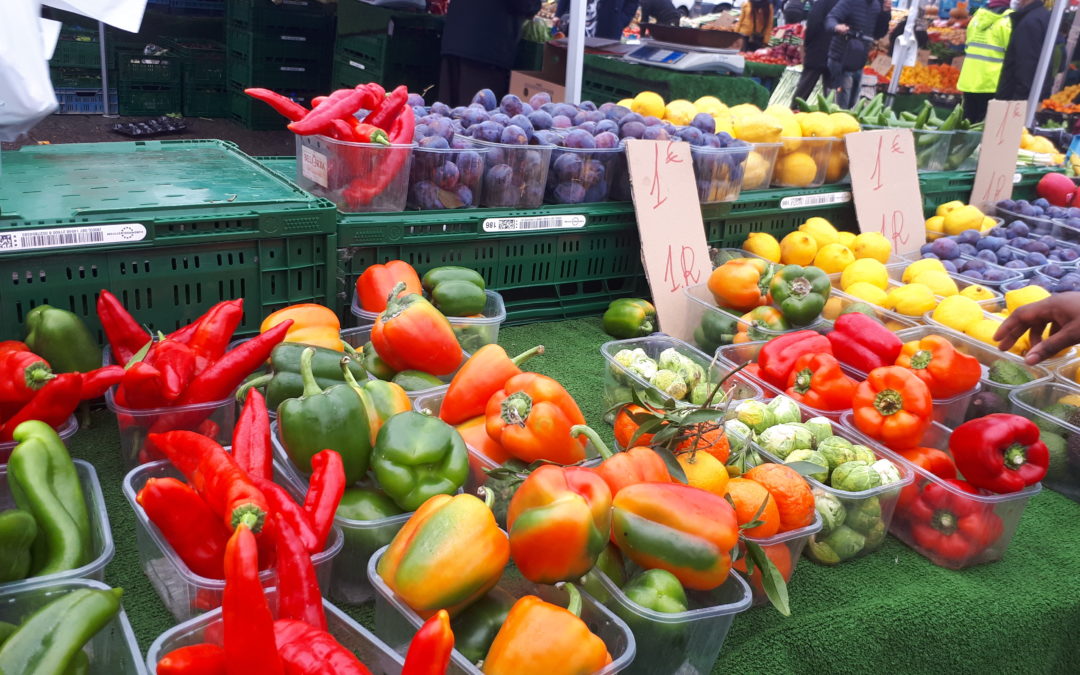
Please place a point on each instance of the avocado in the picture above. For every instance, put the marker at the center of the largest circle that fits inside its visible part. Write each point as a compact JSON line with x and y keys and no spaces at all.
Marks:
{"x":864,"y":308}
{"x":1062,"y":411}
{"x":1059,"y":464}
{"x":1004,"y":371}
{"x":985,"y":403}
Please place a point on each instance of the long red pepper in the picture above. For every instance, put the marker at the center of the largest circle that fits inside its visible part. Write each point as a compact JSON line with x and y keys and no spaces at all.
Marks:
{"x":430,"y":650}
{"x":368,"y":133}
{"x":325,"y":488}
{"x":96,"y":382}
{"x":306,"y":650}
{"x":251,"y":444}
{"x":215,"y":475}
{"x":362,"y":191}
{"x":201,"y":659}
{"x":299,"y":596}
{"x":391,"y":109}
{"x":286,"y":510}
{"x":188,"y":523}
{"x":185,"y":333}
{"x":22,"y":374}
{"x":142,"y":387}
{"x":124,"y":333}
{"x":249,"y":625}
{"x":214,"y":331}
{"x":286,"y":107}
{"x":342,"y":130}
{"x":333,"y":109}
{"x":176,"y":363}
{"x":53,"y":404}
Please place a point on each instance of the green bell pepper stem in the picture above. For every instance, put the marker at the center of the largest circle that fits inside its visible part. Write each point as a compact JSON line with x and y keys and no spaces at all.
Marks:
{"x":573,"y":604}
{"x":311,"y":387}
{"x":68,"y":622}
{"x":78,"y":665}
{"x":254,"y":383}
{"x":17,"y":532}
{"x":416,"y":457}
{"x":594,"y":438}
{"x":657,"y":590}
{"x":61,"y":338}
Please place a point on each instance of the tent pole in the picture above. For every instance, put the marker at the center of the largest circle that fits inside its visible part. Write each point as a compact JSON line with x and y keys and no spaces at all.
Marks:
{"x":575,"y":51}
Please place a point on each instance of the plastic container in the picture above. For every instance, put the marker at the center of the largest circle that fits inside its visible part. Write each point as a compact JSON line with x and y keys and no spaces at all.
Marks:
{"x":112,"y":650}
{"x":883,"y":497}
{"x":581,"y":175}
{"x":703,"y":303}
{"x":473,"y":332}
{"x":963,"y":151}
{"x":896,"y":280}
{"x":327,"y":168}
{"x":719,"y":171}
{"x":839,"y":301}
{"x":817,"y":149}
{"x":1031,"y":401}
{"x":396,"y":622}
{"x":618,"y":380}
{"x":1068,"y":372}
{"x":66,"y":431}
{"x":184,"y":593}
{"x":514,"y":175}
{"x":931,"y":147}
{"x":1038,"y":225}
{"x":446,"y":178}
{"x":685,"y":642}
{"x":760,"y":163}
{"x":786,"y":547}
{"x":1003,"y":508}
{"x":215,"y":419}
{"x":373,"y":652}
{"x":1010,"y":275}
{"x":101,"y":542}
{"x":1048,"y":363}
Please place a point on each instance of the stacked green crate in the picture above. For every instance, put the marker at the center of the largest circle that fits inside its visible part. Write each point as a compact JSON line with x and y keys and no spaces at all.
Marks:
{"x":204,"y":83}
{"x":284,"y":47}
{"x":148,"y":83}
{"x":388,"y":46}
{"x":75,"y":68}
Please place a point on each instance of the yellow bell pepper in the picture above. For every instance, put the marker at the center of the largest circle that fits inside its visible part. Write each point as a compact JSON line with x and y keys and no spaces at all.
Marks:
{"x":313,"y":325}
{"x":911,"y":300}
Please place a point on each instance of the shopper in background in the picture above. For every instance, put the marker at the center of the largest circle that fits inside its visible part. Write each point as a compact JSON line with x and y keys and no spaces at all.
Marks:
{"x":854,"y":25}
{"x":1029,"y":25}
{"x":662,"y":12}
{"x":755,"y":24}
{"x":816,"y":41}
{"x":479,"y":43}
{"x":987,"y":38}
{"x":1061,"y":312}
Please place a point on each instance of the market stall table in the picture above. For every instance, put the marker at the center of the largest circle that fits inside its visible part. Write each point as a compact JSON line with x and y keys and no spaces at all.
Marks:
{"x":892,"y":610}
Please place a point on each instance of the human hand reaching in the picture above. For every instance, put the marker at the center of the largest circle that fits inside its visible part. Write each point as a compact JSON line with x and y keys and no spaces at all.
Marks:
{"x":1061,"y":312}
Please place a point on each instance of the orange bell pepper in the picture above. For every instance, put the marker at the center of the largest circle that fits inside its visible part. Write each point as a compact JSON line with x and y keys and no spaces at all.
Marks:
{"x":936,"y":362}
{"x":474,"y":433}
{"x":482,"y":375}
{"x":636,"y":465}
{"x":818,"y":381}
{"x":449,"y":553}
{"x":893,"y":406}
{"x":374,"y":286}
{"x":531,"y":417}
{"x":313,"y":325}
{"x":684,"y":530}
{"x":412,"y":335}
{"x":539,"y":638}
{"x":737,"y":284}
{"x":559,"y":521}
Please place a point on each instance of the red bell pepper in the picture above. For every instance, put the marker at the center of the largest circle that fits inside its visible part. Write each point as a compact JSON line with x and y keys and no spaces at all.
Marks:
{"x":999,"y":452}
{"x":52,"y":405}
{"x":325,"y":489}
{"x":201,"y":659}
{"x":124,"y":333}
{"x":299,"y":596}
{"x":376,"y":282}
{"x":13,"y":346}
{"x":411,"y":334}
{"x":251,"y":443}
{"x":431,"y":648}
{"x":22,"y":374}
{"x":818,"y":381}
{"x":933,"y":460}
{"x":306,"y":650}
{"x":863,"y":343}
{"x":188,"y":523}
{"x":949,"y":525}
{"x":249,"y":625}
{"x":778,"y":356}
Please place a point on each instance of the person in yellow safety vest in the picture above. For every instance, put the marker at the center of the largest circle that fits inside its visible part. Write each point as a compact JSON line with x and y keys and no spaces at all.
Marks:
{"x":988,"y":35}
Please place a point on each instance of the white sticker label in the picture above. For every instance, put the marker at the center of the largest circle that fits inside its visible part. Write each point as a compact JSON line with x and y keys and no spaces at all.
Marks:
{"x":802,"y":201}
{"x":535,"y":223}
{"x":354,"y":64}
{"x":1016,"y":178}
{"x":293,"y":38}
{"x":292,"y":69}
{"x":121,"y":233}
{"x":313,"y":166}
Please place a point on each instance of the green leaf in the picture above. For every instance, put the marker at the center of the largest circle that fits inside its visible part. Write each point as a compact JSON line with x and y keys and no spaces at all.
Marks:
{"x":805,"y":469}
{"x":756,"y":519}
{"x":699,"y":416}
{"x":139,"y":355}
{"x":673,"y":466}
{"x":771,"y":579}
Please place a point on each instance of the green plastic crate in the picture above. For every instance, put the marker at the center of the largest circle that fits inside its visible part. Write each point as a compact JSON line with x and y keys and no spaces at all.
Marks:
{"x":150,"y":99}
{"x":388,"y":60}
{"x":77,"y":49}
{"x":79,"y":78}
{"x":202,"y":61}
{"x":281,"y":43}
{"x":133,"y":67}
{"x":357,"y":17}
{"x":257,"y":115}
{"x":777,"y":212}
{"x":205,"y":100}
{"x":297,"y":14}
{"x":302,"y":71}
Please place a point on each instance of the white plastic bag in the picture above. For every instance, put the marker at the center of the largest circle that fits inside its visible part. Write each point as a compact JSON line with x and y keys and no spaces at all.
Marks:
{"x":26,"y":93}
{"x":124,"y":14}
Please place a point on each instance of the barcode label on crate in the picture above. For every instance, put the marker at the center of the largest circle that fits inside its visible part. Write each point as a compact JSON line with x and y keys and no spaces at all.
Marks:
{"x":313,"y":166}
{"x":293,"y":38}
{"x":354,"y":64}
{"x":292,"y":69}
{"x":533,"y":223}
{"x":803,"y":201}
{"x":27,"y":240}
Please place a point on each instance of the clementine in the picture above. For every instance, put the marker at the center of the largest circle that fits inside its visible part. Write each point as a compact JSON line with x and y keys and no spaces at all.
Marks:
{"x":794,"y":500}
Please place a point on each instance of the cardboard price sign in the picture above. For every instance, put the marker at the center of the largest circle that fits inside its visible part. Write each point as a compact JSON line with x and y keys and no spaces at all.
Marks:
{"x":673,"y":247}
{"x":997,"y":154}
{"x":885,"y":182}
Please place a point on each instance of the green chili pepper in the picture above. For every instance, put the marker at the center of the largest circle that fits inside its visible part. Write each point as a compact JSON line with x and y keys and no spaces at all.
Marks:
{"x":68,"y":622}
{"x":335,"y":418}
{"x":17,"y":532}
{"x":457,"y":297}
{"x":374,"y":364}
{"x":800,"y":293}
{"x":717,"y":328}
{"x":437,"y":275}
{"x":658,"y":590}
{"x":61,"y":338}
{"x":629,"y":318}
{"x":416,"y":457}
{"x":476,"y":627}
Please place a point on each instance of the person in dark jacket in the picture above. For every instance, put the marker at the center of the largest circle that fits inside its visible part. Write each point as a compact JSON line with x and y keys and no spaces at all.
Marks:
{"x":854,"y":25}
{"x":1029,"y":25}
{"x":603,"y":18}
{"x":660,"y":11}
{"x":815,"y":48}
{"x":479,"y":44}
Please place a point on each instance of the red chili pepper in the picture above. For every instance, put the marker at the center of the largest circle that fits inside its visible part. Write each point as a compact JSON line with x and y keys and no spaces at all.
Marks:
{"x":299,"y":596}
{"x":368,"y":133}
{"x":22,"y":374}
{"x":176,"y":363}
{"x":52,"y":405}
{"x":342,"y":131}
{"x":249,"y":626}
{"x":215,"y":475}
{"x":361,"y":191}
{"x":185,"y":334}
{"x":251,"y":441}
{"x":318,"y":100}
{"x":214,"y":331}
{"x":282,"y":504}
{"x":201,"y":659}
{"x":325,"y":488}
{"x":286,"y":107}
{"x":188,"y":523}
{"x":335,"y":109}
{"x":999,"y":452}
{"x":97,"y":382}
{"x":142,"y":388}
{"x":778,"y":356}
{"x":430,"y":650}
{"x":392,"y":108}
{"x":124,"y":333}
{"x":306,"y":650}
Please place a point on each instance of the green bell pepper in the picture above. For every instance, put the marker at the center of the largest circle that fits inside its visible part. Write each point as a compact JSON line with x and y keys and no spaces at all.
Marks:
{"x":61,"y":338}
{"x":368,"y":506}
{"x":78,"y":665}
{"x":715,"y":330}
{"x":456,"y":297}
{"x":69,"y":622}
{"x":286,"y":381}
{"x":610,"y":562}
{"x":800,"y":293}
{"x":629,"y":318}
{"x":417,"y":457}
{"x":374,"y":364}
{"x":416,"y":380}
{"x":658,"y":590}
{"x":17,"y":532}
{"x":437,"y":275}
{"x":476,"y":627}
{"x":334,"y":419}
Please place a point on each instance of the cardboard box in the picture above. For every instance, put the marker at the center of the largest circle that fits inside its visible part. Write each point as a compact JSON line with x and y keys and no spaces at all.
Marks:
{"x":525,"y":83}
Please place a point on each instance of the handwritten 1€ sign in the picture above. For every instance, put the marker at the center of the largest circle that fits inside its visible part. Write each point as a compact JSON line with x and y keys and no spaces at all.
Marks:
{"x":673,"y":246}
{"x":885,"y":184}
{"x":997,"y":153}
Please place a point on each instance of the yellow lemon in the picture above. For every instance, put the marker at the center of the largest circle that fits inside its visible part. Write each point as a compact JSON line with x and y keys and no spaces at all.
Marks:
{"x":837,"y":167}
{"x":764,"y":245}
{"x":710,"y":105}
{"x":1070,"y":399}
{"x":795,"y":170}
{"x":847,"y":239}
{"x":816,"y":125}
{"x":983,"y":330}
{"x":988,"y":224}
{"x":935,"y":227}
{"x":1042,"y":145}
{"x":797,"y":248}
{"x":977,"y":292}
{"x":821,"y":230}
{"x":947,"y":207}
{"x":724,"y":123}
{"x":939,"y":282}
{"x":744,"y":109}
{"x":756,"y":173}
{"x":757,"y":128}
{"x":964,"y":218}
{"x":872,"y":245}
{"x":864,"y":290}
{"x":790,"y":132}
{"x":833,"y":258}
{"x":911,"y":300}
{"x":626,"y":103}
{"x":1024,"y":296}
{"x":648,"y":103}
{"x":867,"y":270}
{"x":844,"y":124}
{"x":779,"y":111}
{"x":680,"y":112}
{"x":958,"y":312}
{"x":920,"y":266}
{"x":1023,"y":343}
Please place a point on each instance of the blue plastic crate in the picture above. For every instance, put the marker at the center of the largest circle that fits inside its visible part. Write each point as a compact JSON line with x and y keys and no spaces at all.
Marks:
{"x":76,"y":101}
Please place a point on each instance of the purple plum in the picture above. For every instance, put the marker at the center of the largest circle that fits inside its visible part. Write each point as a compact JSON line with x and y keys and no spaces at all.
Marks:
{"x":988,"y":256}
{"x":440,"y":108}
{"x":1035,"y":259}
{"x":447,"y":176}
{"x":500,"y":118}
{"x":616,"y":113}
{"x":587,"y":105}
{"x":569,"y":193}
{"x":515,"y":135}
{"x":632,"y":130}
{"x":486,"y":98}
{"x":588,"y":126}
{"x":524,"y":124}
{"x":607,"y":125}
{"x":415,"y":100}
{"x":579,"y":138}
{"x":539,"y":98}
{"x":470,"y":167}
{"x":566,"y":167}
{"x":499,"y":187}
{"x":705,"y":122}
{"x":561,"y":122}
{"x":607,"y":139}
{"x":540,"y":120}
{"x":434,"y":143}
{"x":656,"y":133}
{"x":946,"y":249}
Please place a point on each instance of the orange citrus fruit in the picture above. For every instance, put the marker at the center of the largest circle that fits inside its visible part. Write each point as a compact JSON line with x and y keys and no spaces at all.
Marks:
{"x":747,"y":497}
{"x":714,"y":441}
{"x":780,"y":556}
{"x":704,"y":471}
{"x":793,"y":497}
